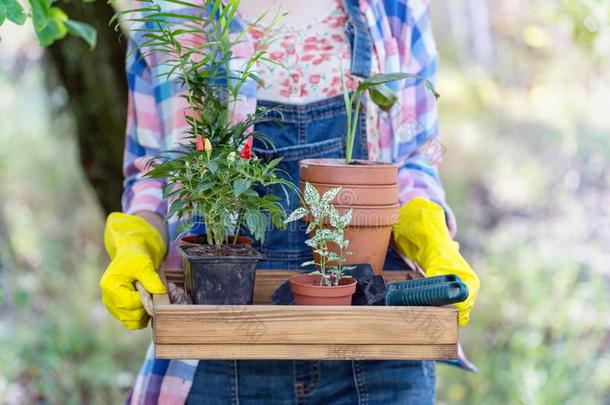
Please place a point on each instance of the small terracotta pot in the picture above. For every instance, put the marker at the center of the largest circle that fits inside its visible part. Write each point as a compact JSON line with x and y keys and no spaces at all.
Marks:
{"x":201,"y":240}
{"x":370,"y":190}
{"x":360,"y":195}
{"x":306,"y":290}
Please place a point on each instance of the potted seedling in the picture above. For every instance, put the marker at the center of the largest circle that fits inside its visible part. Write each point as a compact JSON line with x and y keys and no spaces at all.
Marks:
{"x":369,"y":188}
{"x":327,"y":284}
{"x":212,"y":174}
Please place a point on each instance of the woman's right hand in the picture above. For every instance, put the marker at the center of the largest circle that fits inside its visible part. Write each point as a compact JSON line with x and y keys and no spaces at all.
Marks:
{"x":136,"y":249}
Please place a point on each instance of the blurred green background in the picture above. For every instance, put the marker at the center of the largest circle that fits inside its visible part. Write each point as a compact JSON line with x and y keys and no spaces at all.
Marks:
{"x":525,"y":126}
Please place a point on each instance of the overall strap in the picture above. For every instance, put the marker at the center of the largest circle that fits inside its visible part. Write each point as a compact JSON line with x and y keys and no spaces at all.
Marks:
{"x":360,"y":39}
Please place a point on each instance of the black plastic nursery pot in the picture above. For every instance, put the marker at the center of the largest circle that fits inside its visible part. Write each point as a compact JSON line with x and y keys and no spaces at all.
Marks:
{"x":219,"y":275}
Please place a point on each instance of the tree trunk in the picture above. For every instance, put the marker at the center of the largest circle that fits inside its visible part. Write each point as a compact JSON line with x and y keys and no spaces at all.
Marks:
{"x":97,"y":89}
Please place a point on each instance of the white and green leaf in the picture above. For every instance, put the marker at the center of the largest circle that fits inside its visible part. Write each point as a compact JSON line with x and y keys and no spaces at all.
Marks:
{"x":296,"y":215}
{"x":311,"y":195}
{"x":330,"y":195}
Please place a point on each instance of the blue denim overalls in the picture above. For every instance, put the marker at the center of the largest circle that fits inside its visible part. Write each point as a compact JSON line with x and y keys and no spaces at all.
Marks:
{"x":312,"y":131}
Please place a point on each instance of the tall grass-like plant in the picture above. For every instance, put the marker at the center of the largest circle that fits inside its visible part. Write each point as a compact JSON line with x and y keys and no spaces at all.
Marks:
{"x":215,"y":176}
{"x":379,"y":93}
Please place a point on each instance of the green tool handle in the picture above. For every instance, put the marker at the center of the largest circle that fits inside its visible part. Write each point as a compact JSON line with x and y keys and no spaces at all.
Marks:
{"x":418,"y":282}
{"x":430,"y":295}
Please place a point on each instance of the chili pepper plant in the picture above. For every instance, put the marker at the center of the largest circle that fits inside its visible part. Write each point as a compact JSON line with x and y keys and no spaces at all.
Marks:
{"x":213,"y":174}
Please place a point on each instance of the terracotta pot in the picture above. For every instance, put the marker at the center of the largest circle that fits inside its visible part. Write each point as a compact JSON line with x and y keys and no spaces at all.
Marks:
{"x":371,"y":192}
{"x":369,"y":234}
{"x":360,"y":195}
{"x":337,"y":173}
{"x":201,"y":240}
{"x":306,"y":290}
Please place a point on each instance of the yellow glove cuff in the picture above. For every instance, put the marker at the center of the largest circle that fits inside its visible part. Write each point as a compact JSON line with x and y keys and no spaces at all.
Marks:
{"x":124,"y":231}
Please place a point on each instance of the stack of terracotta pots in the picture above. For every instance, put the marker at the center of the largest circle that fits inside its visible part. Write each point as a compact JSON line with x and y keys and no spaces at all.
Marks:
{"x":370,"y":190}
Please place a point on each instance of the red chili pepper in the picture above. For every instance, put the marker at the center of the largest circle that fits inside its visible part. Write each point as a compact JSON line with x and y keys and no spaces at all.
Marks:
{"x":199,"y":145}
{"x":246,"y":151}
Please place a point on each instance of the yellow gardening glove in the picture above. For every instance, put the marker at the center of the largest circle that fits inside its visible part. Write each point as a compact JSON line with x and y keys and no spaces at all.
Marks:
{"x":422,"y":235}
{"x":136,"y":249}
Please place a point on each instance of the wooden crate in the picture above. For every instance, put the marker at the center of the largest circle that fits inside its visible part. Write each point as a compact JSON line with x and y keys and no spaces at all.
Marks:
{"x":264,"y":331}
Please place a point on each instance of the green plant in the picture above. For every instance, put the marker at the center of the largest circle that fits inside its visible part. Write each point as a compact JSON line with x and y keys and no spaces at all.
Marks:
{"x":51,"y":23}
{"x":214,"y":177}
{"x":329,"y":261}
{"x":219,"y":188}
{"x":379,"y":93}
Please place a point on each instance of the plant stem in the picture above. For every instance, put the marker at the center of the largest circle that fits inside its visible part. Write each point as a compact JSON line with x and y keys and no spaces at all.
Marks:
{"x":353,"y":127}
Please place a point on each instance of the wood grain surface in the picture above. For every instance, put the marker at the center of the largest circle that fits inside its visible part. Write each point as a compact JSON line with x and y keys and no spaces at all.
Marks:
{"x":302,"y":332}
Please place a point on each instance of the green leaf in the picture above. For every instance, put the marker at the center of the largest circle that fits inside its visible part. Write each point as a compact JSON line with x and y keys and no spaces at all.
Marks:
{"x":383,"y":97}
{"x":168,"y":188}
{"x":256,"y":223}
{"x":274,"y":163}
{"x":253,"y":221}
{"x":40,"y":14}
{"x":175,"y":207}
{"x":228,"y":220}
{"x":14,"y":12}
{"x":2,"y":18}
{"x":55,"y":28}
{"x":251,"y":193}
{"x":82,"y":30}
{"x":213,"y":166}
{"x":240,"y":186}
{"x":203,"y":187}
{"x":382,"y":78}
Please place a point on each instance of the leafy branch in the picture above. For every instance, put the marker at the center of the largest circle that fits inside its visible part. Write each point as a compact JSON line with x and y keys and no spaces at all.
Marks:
{"x":379,"y":93}
{"x":50,"y":22}
{"x":215,"y":176}
{"x":328,"y":228}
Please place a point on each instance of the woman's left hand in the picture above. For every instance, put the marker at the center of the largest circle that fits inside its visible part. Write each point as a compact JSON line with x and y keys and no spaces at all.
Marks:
{"x":422,"y":235}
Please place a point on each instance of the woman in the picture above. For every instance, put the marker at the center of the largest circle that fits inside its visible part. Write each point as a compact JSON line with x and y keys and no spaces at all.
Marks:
{"x":319,"y":38}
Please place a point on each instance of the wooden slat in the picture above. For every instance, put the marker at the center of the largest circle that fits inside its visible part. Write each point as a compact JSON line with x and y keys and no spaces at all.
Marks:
{"x":307,"y":352}
{"x":267,"y":281}
{"x":271,"y":324}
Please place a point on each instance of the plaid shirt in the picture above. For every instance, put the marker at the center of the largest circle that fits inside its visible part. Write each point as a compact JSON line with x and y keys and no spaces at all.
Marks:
{"x":402,"y":42}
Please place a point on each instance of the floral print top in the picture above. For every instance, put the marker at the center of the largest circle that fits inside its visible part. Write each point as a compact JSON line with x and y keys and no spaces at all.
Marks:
{"x":309,"y":60}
